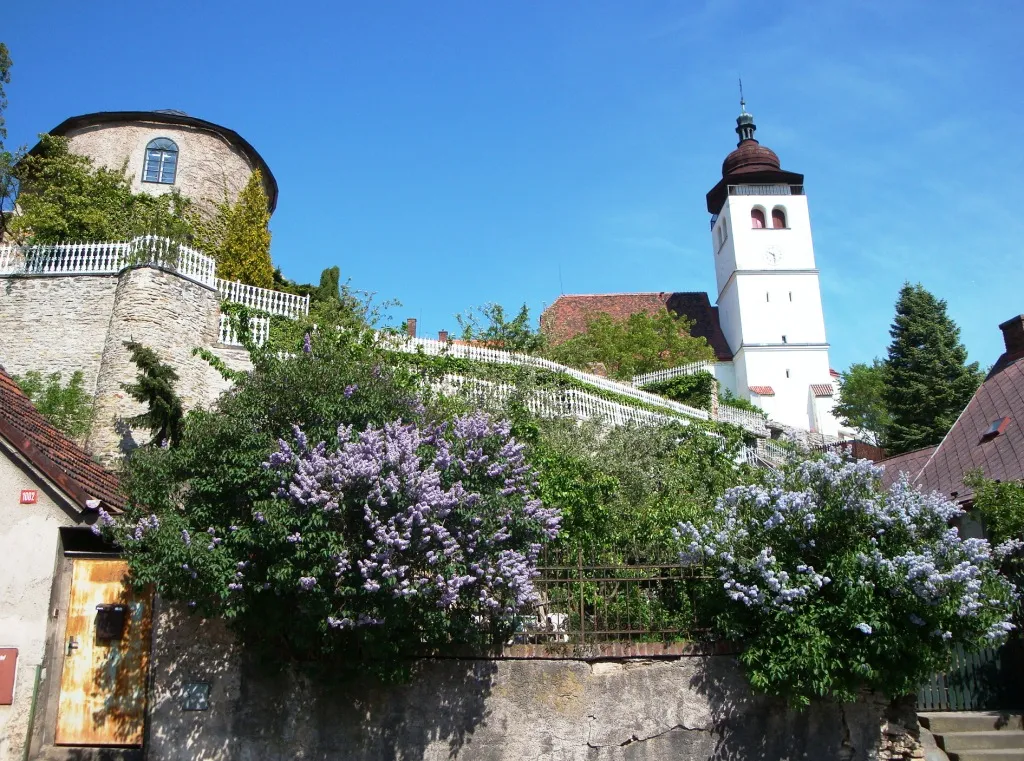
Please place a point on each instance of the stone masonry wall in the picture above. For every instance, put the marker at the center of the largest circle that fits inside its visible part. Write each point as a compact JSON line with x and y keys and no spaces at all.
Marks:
{"x":682,"y":709}
{"x":55,"y":324}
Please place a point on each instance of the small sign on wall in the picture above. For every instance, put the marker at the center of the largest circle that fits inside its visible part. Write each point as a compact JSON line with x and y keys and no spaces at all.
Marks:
{"x":29,"y":496}
{"x":8,"y":670}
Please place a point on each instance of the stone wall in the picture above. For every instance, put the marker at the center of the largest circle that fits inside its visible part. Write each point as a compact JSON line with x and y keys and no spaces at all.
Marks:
{"x":55,"y":324}
{"x":682,"y":709}
{"x":208,"y":165}
{"x":64,"y":323}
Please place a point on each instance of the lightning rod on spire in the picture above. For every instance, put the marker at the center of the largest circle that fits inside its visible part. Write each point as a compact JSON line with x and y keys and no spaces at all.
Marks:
{"x":743,"y":103}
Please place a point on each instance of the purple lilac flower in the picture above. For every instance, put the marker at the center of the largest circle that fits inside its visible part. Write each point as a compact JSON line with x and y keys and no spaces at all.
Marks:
{"x":350,"y":390}
{"x":307,"y":344}
{"x":865,"y":628}
{"x":307,"y":582}
{"x":185,"y":537}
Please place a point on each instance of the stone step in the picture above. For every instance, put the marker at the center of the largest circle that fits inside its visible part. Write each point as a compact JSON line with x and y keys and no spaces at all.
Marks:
{"x":944,"y":722}
{"x":988,"y":755}
{"x":987,"y":740}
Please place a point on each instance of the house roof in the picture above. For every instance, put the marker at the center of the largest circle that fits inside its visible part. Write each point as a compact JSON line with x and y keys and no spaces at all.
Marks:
{"x":570,"y":314}
{"x":822,"y":389}
{"x":966,"y":447}
{"x":179,"y":118}
{"x":910,"y":463}
{"x":52,"y":453}
{"x":762,"y":390}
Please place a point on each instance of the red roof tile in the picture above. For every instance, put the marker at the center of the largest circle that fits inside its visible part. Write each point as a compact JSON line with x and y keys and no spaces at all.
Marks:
{"x":762,"y":390}
{"x":966,"y":447}
{"x":569,"y":315}
{"x":822,"y":389}
{"x":54,"y":454}
{"x":908,"y":462}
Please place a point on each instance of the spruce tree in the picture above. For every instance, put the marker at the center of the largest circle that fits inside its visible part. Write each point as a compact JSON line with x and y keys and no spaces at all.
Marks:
{"x":154,"y":387}
{"x":927,"y":379}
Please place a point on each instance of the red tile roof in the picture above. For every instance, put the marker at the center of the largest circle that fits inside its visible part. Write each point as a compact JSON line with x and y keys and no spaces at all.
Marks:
{"x":51,"y":452}
{"x":762,"y":390}
{"x":822,"y":389}
{"x":910,"y":463}
{"x":966,"y":447}
{"x":569,"y":315}
{"x":834,"y":373}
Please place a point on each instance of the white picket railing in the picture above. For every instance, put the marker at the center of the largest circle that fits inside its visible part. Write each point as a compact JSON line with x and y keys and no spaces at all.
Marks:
{"x":258,"y":326}
{"x":109,"y":258}
{"x":274,"y":302}
{"x":497,"y":356}
{"x":692,"y":368}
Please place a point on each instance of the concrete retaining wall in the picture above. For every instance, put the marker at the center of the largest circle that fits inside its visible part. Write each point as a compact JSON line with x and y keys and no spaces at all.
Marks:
{"x":486,"y":710}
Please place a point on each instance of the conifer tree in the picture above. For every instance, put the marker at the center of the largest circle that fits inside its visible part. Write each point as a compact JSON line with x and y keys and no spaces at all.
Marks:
{"x":237,"y":236}
{"x":927,"y":379}
{"x":154,"y":387}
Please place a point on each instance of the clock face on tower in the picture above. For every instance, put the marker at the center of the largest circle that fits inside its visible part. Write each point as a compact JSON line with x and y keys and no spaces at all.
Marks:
{"x":773,"y":256}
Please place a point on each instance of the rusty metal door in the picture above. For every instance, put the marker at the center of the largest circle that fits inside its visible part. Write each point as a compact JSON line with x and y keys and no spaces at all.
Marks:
{"x":106,"y":658}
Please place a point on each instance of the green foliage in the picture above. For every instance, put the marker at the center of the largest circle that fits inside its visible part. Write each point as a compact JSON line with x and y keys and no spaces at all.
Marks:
{"x":835,"y":585}
{"x":694,"y":390}
{"x":63,"y":198}
{"x":927,"y":379}
{"x":67,"y":407}
{"x":862,"y":399}
{"x":237,"y":236}
{"x":154,"y":387}
{"x":622,"y":490}
{"x":639,"y":344}
{"x":1000,"y":505}
{"x":8,"y":159}
{"x":489,"y":326}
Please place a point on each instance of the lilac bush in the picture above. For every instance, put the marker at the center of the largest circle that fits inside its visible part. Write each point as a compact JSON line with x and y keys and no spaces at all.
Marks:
{"x":834,"y":584}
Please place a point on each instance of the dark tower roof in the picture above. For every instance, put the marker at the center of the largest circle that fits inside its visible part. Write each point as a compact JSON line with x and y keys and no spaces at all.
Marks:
{"x":750,"y":164}
{"x":179,"y":118}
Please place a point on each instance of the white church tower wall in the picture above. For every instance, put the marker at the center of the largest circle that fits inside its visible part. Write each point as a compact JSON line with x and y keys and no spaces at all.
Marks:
{"x":769,"y":296}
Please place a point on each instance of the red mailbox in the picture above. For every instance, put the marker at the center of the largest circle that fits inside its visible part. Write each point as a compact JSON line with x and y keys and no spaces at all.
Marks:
{"x":8,"y":670}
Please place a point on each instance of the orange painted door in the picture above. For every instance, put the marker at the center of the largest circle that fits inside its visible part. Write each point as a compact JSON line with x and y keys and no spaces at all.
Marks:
{"x":103,"y":684}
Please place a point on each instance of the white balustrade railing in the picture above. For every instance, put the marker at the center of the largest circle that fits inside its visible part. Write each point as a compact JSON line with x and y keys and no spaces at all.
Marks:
{"x":112,"y":257}
{"x":773,"y":452}
{"x":656,"y":376}
{"x":274,"y":302}
{"x":258,"y":326}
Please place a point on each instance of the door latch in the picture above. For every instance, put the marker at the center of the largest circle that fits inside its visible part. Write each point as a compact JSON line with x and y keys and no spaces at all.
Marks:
{"x":72,"y":644}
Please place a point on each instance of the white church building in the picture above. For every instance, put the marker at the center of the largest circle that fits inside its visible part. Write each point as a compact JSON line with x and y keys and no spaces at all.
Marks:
{"x":766,"y":325}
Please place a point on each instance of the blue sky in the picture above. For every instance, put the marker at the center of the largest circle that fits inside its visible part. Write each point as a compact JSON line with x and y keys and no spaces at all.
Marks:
{"x":448,"y":154}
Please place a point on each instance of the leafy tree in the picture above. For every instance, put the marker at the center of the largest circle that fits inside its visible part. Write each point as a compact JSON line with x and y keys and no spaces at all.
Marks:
{"x":237,"y":236}
{"x":1000,"y":505}
{"x":639,"y":344}
{"x":67,"y":407}
{"x":694,"y":390}
{"x":927,"y":379}
{"x":488,"y":325}
{"x":325,"y":509}
{"x":63,"y":197}
{"x":834,"y":584}
{"x":8,"y":159}
{"x":862,"y":400}
{"x":154,"y":387}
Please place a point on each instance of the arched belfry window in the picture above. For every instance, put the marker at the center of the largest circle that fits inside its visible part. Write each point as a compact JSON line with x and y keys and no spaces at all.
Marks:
{"x":161,"y":161}
{"x":779,"y":218}
{"x":757,"y":220}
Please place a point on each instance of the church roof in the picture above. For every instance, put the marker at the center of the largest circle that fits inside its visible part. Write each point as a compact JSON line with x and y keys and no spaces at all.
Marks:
{"x":569,"y":314}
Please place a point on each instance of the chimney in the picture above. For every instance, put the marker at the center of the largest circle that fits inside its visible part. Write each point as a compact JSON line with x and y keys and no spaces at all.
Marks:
{"x":442,"y":336}
{"x":1013,"y":335}
{"x":410,"y":326}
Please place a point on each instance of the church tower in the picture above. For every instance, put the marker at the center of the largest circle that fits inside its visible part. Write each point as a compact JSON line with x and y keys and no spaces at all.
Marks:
{"x":769,"y":299}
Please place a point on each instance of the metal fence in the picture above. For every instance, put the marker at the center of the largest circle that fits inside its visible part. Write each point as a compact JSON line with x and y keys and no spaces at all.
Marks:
{"x":586,"y":602}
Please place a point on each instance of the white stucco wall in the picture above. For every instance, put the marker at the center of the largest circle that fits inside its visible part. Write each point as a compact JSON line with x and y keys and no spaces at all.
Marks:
{"x":208,"y":165}
{"x":29,"y":538}
{"x":768,"y":366}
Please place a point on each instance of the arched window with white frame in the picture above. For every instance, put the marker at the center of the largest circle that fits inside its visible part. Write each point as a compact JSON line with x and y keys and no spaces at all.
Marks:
{"x":161,"y":165}
{"x":757,"y":220}
{"x":779,"y":218}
